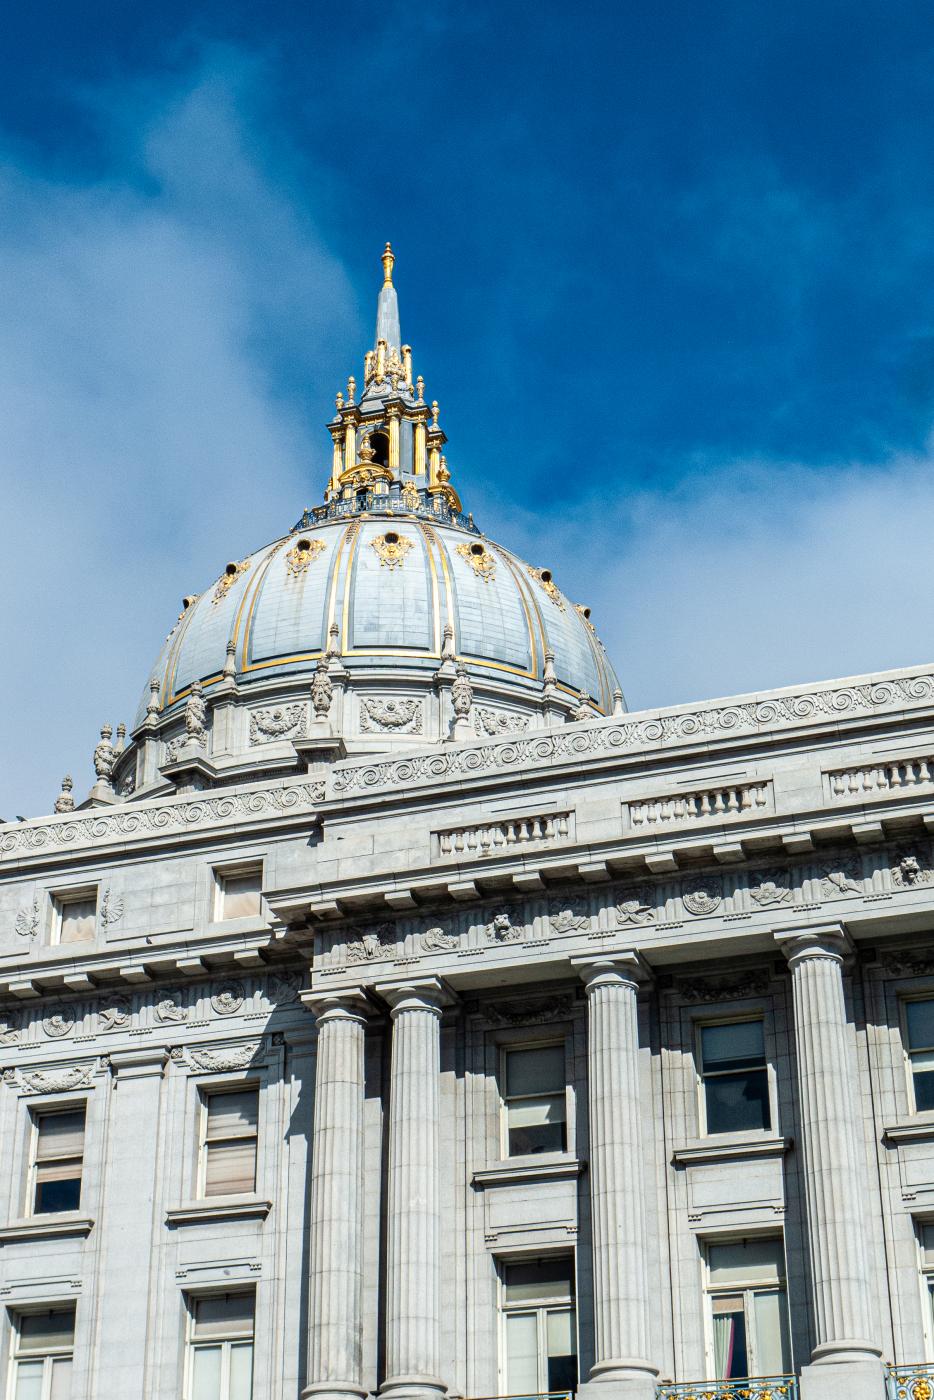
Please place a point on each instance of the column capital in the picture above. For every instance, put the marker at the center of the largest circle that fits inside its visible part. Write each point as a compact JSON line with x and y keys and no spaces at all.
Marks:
{"x":829,"y":940}
{"x":337,"y":1004}
{"x":621,"y":968}
{"x":415,"y":994}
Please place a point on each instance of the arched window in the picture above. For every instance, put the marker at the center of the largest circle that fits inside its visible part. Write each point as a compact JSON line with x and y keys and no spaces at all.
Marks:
{"x":379,"y":441}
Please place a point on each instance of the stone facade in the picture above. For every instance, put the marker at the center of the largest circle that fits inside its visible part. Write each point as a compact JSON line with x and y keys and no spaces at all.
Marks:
{"x":359,"y":941}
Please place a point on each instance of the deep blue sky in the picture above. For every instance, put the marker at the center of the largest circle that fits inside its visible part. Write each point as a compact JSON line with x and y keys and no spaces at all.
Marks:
{"x":669,"y":269}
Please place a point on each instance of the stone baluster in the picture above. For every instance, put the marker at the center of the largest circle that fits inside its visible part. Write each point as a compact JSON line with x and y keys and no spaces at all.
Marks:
{"x":845,"y":1362}
{"x":335,"y":1360}
{"x":413,"y":1240}
{"x":617,"y":1179}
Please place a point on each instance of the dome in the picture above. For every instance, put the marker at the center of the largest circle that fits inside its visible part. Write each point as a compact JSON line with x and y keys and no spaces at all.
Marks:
{"x":391,"y":582}
{"x":383,"y":619}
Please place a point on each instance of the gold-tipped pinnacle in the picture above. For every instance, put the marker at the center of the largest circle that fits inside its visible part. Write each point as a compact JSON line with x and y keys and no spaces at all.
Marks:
{"x":389,"y":258}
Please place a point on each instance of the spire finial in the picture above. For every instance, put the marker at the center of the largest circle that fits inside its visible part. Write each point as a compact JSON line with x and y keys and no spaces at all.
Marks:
{"x":388,"y":259}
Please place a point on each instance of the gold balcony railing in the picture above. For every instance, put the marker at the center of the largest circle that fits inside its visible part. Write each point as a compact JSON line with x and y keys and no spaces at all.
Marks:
{"x":911,"y":1382}
{"x":739,"y":1388}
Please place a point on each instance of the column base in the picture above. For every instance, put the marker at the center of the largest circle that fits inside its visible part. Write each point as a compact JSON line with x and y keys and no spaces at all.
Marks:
{"x":333,"y":1390}
{"x":413,"y":1387}
{"x":846,"y":1371}
{"x":629,"y":1379}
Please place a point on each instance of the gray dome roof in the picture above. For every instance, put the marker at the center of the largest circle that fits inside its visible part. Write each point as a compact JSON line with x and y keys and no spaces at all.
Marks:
{"x":390,"y":581}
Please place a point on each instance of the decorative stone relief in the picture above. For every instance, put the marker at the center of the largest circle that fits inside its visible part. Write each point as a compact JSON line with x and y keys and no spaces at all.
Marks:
{"x":284,"y":986}
{"x":480,"y":559}
{"x":703,"y":895}
{"x":911,"y":868}
{"x":386,"y":715}
{"x":58,"y":1023}
{"x":59,"y":1081}
{"x":28,"y":919}
{"x":228,"y":998}
{"x":842,"y":878}
{"x":769,"y":887}
{"x":501,"y":929}
{"x":110,"y":909}
{"x":547,"y":584}
{"x":534,"y":1011}
{"x":322,"y":689}
{"x":636,"y":905}
{"x":230,"y":1058}
{"x":391,"y":549}
{"x":227,"y":579}
{"x":301,"y":555}
{"x":495,"y":722}
{"x":906,"y":964}
{"x":161,"y":817}
{"x":114,"y":1014}
{"x":128,"y":786}
{"x":169,"y":1009}
{"x":373,"y":943}
{"x":461,"y":693}
{"x":567,"y":915}
{"x":759,"y":717}
{"x":9,"y":1031}
{"x":711,"y":989}
{"x":196,"y":712}
{"x":435,"y":940}
{"x":288,"y":722}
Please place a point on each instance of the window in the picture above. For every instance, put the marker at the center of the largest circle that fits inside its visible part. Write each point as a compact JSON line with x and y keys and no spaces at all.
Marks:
{"x":926,"y":1240}
{"x":535,"y":1100}
{"x":540,"y":1327}
{"x":42,"y":1349}
{"x":238,"y":893}
{"x":228,"y":1152}
{"x":221,"y":1347}
{"x":58,"y":1153}
{"x":735,"y":1078}
{"x":748,"y":1309}
{"x":76,"y":916}
{"x":919,"y":1027}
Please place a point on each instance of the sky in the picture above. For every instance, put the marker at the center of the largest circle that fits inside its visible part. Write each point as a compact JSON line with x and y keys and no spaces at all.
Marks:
{"x":668,"y":268}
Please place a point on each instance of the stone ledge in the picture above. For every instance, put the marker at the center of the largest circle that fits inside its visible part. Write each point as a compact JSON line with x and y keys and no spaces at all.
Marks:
{"x":222,"y":1208}
{"x":915,"y":1130}
{"x":46,"y":1227}
{"x":697,"y":1154}
{"x":522,"y":1170}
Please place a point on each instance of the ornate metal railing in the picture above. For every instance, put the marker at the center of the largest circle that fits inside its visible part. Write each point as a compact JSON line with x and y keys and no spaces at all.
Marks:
{"x":911,"y":1382}
{"x":542,"y":1395}
{"x":388,"y":503}
{"x":740,"y":1388}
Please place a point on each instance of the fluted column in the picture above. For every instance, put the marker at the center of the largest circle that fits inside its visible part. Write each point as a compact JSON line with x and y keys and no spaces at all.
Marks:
{"x":617,"y":1179}
{"x":413,"y":1238}
{"x":336,"y":1234}
{"x":845,"y":1360}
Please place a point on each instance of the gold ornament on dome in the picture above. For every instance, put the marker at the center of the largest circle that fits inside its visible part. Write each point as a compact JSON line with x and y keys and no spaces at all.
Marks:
{"x":391,"y":548}
{"x":479,"y":558}
{"x":228,"y":578}
{"x":585,"y":615}
{"x":547,"y":584}
{"x":410,"y":497}
{"x":303,"y":553}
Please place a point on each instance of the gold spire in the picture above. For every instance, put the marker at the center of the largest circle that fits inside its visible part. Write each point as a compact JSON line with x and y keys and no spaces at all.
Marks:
{"x":389,"y":258}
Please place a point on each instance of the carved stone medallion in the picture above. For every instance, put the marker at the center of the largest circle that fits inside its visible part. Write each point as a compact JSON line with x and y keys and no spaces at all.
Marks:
{"x":495,"y":722}
{"x":58,"y":1023}
{"x":636,"y":905}
{"x":703,"y":895}
{"x":285,"y":722}
{"x":769,"y":887}
{"x":114,"y":1014}
{"x":844,"y":877}
{"x":388,"y":715}
{"x":111,"y":908}
{"x":169,"y":1009}
{"x":567,"y":915}
{"x":28,"y":919}
{"x":228,"y":998}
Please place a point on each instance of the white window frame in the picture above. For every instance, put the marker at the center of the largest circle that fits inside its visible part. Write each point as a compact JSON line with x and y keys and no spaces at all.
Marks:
{"x":15,"y":1316}
{"x":38,"y":1111}
{"x":699,"y":1025}
{"x":206,"y":1091}
{"x":192,"y":1344}
{"x":540,"y":1307}
{"x":926,"y":1280}
{"x":906,"y":1049}
{"x":237,"y":869}
{"x":61,"y":898}
{"x":748,"y":1289}
{"x":504,"y":1050}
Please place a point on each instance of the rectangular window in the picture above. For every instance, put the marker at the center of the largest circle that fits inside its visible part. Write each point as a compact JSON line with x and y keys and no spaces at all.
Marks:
{"x":919,"y":1026}
{"x":43,"y":1344}
{"x":228,"y":1151}
{"x":76,"y":916}
{"x":748,"y":1309}
{"x":926,"y":1232}
{"x":535,"y":1100}
{"x":221,"y":1347}
{"x":58,"y":1155}
{"x":735,"y":1077}
{"x":540,"y":1327}
{"x":237,"y":893}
